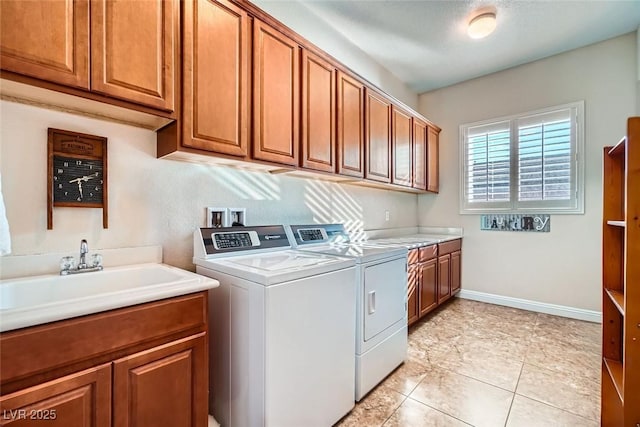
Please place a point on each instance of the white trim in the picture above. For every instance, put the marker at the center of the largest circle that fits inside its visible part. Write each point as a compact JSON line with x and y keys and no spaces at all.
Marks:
{"x":539,"y":206}
{"x":540,"y":307}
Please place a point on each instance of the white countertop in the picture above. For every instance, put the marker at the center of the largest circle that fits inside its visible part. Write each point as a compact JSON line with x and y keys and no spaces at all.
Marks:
{"x":34,"y":300}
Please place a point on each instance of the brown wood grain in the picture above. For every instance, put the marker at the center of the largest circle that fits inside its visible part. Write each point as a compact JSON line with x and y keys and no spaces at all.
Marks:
{"x":216,"y":78}
{"x":318,"y":122}
{"x":450,"y":246}
{"x":428,"y":286}
{"x":428,"y":252}
{"x":81,"y":399}
{"x":401,"y":147}
{"x":413,"y":308}
{"x":48,"y":40}
{"x":165,"y":385}
{"x":96,"y":337}
{"x":350,"y":124}
{"x":456,"y":272}
{"x":444,"y":277}
{"x":419,"y":154}
{"x":433,"y":159}
{"x":377,"y":136}
{"x":276,"y":96}
{"x":134,"y":50}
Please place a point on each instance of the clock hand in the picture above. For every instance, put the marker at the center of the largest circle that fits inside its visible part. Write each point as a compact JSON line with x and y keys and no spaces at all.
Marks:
{"x":83,"y":178}
{"x":80,"y":187}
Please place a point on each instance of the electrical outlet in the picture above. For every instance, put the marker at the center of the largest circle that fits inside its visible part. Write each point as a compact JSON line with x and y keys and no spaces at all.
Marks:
{"x":386,"y":215}
{"x":237,"y":216}
{"x":217,"y":217}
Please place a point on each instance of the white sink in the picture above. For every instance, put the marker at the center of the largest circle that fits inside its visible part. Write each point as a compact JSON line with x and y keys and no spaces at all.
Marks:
{"x":35,"y":300}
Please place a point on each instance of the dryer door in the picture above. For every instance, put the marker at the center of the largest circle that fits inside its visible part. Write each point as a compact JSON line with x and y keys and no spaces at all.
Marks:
{"x":385,"y":294}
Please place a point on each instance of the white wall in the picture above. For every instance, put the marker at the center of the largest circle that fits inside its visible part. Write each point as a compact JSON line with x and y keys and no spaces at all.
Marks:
{"x":154,"y":201}
{"x":563,"y":266}
{"x":301,"y":20}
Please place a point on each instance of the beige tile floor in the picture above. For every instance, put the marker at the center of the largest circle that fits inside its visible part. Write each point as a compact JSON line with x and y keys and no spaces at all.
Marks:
{"x":471,"y":363}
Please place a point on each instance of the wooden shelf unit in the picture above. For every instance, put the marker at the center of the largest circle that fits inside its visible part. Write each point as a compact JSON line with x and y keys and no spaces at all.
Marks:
{"x":621,"y":281}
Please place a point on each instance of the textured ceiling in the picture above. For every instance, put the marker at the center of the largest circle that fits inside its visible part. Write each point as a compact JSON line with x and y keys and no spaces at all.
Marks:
{"x":424,"y":43}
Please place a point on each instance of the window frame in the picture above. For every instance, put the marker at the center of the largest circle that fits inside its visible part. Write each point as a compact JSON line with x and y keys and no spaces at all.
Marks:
{"x":538,"y":206}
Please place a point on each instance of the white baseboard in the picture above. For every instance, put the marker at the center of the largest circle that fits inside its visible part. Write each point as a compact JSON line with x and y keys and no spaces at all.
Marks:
{"x":540,"y":307}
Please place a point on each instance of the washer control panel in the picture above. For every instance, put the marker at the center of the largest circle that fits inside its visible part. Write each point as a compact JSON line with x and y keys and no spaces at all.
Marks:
{"x":235,"y":239}
{"x":215,"y":242}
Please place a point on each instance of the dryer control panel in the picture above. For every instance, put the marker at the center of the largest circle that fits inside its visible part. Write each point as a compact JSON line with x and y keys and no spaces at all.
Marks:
{"x":302,"y":235}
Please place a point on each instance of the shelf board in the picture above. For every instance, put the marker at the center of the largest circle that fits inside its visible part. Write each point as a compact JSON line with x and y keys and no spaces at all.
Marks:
{"x":615,"y":371}
{"x":617,"y":298}
{"x":619,"y":148}
{"x":617,"y":223}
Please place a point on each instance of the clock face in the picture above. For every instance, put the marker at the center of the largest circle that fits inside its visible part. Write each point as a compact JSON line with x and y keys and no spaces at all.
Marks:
{"x":77,"y":180}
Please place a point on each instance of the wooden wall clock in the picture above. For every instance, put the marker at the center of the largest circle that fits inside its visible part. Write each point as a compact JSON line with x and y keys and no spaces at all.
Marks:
{"x":76,"y":172}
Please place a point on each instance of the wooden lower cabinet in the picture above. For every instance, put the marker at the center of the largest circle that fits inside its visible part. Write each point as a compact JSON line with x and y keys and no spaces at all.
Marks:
{"x":444,"y":278}
{"x":82,"y":399}
{"x":144,"y":365}
{"x":162,"y":386}
{"x":429,"y":285}
{"x":456,"y":270}
{"x":434,"y":275}
{"x":413,"y":309}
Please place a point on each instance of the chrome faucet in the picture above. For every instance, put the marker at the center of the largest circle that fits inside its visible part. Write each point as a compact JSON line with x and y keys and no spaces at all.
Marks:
{"x":67,"y":264}
{"x":84,"y":249}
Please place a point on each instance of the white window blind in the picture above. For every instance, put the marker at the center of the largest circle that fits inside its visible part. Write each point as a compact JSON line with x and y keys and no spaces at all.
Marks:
{"x":528,"y":162}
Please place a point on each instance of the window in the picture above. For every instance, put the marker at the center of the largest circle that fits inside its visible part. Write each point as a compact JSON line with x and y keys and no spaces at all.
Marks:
{"x":525,"y":163}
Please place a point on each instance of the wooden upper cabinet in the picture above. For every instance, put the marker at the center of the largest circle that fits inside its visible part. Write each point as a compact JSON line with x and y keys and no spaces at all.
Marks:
{"x":216,"y":79}
{"x":163,"y":386}
{"x":48,"y":40}
{"x":134,"y":50}
{"x":318,"y":113}
{"x":81,"y":399}
{"x":350,"y":124}
{"x":401,"y":147}
{"x":433,"y":174}
{"x":419,"y":154}
{"x":377,"y":136}
{"x":276,"y":96}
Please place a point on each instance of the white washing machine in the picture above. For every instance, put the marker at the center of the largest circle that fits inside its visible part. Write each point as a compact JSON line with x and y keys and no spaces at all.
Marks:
{"x":381,"y":278}
{"x":282,"y":334}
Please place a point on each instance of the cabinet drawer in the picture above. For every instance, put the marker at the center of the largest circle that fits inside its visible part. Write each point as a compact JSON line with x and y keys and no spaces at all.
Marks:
{"x":451,"y":246}
{"x":428,"y":252}
{"x":414,"y":256}
{"x":98,"y":336}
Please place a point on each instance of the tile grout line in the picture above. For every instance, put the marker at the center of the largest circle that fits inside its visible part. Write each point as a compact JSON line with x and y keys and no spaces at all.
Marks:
{"x":395,"y":410}
{"x":514,"y":396}
{"x":438,"y":410}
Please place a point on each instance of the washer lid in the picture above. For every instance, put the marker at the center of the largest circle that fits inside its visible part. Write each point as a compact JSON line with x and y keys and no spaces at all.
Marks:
{"x":361,"y":252}
{"x":276,"y":267}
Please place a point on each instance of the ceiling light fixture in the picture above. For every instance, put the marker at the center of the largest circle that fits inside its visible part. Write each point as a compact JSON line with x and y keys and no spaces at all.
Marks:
{"x":482,"y":25}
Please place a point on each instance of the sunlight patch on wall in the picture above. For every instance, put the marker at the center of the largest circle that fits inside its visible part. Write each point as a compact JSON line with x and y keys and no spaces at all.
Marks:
{"x":248,"y":185}
{"x":330,"y":203}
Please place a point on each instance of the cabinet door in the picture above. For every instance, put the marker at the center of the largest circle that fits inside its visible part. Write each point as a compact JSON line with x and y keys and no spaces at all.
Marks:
{"x":377,"y":133}
{"x":48,"y":40}
{"x":419,"y":154}
{"x":402,"y":148}
{"x":318,"y":113}
{"x":163,"y":386}
{"x":133,"y":50}
{"x":433,"y":174}
{"x":82,"y":399}
{"x":429,"y":286}
{"x":350,"y":126}
{"x":276,"y":86}
{"x":444,"y":278}
{"x":216,"y":85}
{"x":456,"y":272}
{"x":413,"y":309}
